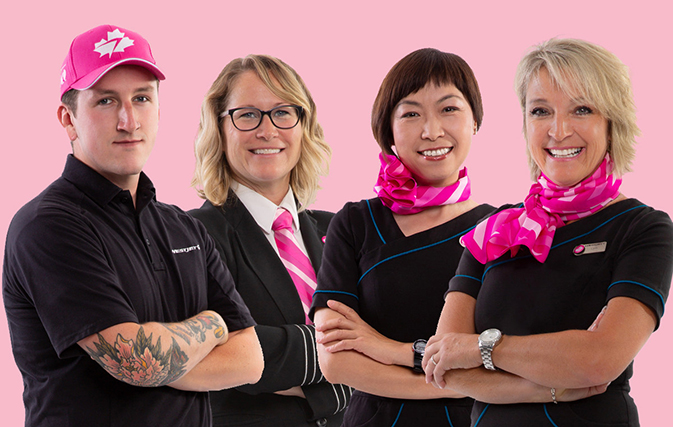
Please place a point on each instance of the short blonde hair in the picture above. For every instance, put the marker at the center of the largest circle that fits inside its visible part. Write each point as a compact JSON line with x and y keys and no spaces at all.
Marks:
{"x":586,"y":70}
{"x":213,"y":175}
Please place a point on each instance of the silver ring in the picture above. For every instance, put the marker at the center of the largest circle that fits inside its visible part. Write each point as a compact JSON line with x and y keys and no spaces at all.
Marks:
{"x":432,"y":359}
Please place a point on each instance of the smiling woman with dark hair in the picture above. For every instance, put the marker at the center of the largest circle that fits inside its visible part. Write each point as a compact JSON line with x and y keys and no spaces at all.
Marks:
{"x":387,"y":260}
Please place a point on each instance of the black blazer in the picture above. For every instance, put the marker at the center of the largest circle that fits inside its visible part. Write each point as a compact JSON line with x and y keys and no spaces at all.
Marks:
{"x":290,"y":357}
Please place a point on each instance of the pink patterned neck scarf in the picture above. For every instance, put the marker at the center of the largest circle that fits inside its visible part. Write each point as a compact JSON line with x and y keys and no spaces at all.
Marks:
{"x":547,"y":207}
{"x":399,"y":191}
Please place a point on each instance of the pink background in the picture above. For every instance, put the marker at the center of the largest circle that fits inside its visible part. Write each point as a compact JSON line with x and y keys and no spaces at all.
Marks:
{"x":342,"y":50}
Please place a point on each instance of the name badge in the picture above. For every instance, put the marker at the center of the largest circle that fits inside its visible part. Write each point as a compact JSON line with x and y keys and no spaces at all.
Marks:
{"x":590,"y":248}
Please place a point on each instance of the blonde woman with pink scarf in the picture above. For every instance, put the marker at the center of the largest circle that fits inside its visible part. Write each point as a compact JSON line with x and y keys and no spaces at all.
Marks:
{"x":555,"y":297}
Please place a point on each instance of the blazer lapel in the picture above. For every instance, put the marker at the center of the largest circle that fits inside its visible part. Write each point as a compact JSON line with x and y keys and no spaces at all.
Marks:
{"x":264,"y":262}
{"x":312,"y":240}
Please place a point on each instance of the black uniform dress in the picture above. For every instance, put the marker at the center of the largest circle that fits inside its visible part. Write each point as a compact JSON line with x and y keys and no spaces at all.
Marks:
{"x":396,"y":284}
{"x":624,"y":250}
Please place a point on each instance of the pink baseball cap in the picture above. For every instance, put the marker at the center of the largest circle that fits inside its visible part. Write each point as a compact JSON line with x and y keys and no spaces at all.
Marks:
{"x":94,"y":53}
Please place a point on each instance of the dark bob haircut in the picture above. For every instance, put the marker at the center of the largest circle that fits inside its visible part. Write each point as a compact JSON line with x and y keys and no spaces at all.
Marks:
{"x":411,"y":74}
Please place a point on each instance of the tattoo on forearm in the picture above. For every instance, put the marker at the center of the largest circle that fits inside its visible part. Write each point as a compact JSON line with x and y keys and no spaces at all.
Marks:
{"x":140,"y":362}
{"x":196,"y":328}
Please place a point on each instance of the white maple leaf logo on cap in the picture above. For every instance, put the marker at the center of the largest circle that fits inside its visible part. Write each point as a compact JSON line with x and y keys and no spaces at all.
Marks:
{"x":116,"y":42}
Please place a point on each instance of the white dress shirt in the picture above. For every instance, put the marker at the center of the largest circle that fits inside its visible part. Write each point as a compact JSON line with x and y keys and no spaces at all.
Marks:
{"x":263,"y":211}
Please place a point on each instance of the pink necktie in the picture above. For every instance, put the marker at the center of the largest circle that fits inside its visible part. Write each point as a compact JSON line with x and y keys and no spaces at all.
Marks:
{"x":294,"y":260}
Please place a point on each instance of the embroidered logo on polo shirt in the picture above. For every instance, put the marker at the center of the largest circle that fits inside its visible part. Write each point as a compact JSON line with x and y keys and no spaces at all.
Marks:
{"x":187,"y":249}
{"x":116,"y":42}
{"x":590,"y":248}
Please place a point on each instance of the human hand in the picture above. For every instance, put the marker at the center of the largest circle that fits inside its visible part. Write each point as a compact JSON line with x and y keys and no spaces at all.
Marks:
{"x":350,"y":332}
{"x":572,"y":394}
{"x":450,"y":351}
{"x":295,"y":391}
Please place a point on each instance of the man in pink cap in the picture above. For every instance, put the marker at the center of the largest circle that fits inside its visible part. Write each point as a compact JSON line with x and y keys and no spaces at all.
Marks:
{"x":119,"y":307}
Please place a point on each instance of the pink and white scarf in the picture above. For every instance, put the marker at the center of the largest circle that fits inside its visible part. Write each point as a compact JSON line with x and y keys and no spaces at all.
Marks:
{"x":399,"y":191}
{"x":547,"y":207}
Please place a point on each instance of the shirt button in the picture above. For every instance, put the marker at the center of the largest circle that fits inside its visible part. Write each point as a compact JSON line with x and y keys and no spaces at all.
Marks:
{"x":147,"y":241}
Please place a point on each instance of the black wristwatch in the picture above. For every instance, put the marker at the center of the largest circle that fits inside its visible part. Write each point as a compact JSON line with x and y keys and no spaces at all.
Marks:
{"x":419,"y":352}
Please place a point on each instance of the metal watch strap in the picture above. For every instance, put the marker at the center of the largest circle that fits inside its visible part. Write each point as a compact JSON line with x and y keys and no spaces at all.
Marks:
{"x":486,"y":357}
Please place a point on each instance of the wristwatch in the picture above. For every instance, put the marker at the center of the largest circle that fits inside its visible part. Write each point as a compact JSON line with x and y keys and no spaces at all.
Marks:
{"x":487,"y":342}
{"x":419,"y":352}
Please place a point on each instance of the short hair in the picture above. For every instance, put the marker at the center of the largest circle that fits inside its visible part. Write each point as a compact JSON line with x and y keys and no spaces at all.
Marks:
{"x":69,"y":99}
{"x":583,"y":69}
{"x":410,"y":75}
{"x":213,"y":175}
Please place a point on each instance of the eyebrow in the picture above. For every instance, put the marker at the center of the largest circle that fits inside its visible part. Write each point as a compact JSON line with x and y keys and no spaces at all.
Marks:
{"x":578,"y":101}
{"x":276,"y":105}
{"x":143,"y":89}
{"x":439,"y":101}
{"x":444,"y":98}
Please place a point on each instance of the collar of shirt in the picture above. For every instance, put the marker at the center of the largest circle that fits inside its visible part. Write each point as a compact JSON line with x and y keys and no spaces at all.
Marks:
{"x":263,"y":210}
{"x":100,"y":189}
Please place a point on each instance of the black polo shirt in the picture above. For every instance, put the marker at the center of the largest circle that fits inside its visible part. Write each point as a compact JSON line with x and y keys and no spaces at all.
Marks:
{"x":80,"y":258}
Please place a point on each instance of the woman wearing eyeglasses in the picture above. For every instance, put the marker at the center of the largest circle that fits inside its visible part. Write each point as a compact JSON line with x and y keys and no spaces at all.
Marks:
{"x":387,"y":260}
{"x":259,"y":155}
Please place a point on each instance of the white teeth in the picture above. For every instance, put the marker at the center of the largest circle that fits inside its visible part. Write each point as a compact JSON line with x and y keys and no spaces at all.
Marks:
{"x":435,"y":153}
{"x":568,"y":152}
{"x":266,"y":151}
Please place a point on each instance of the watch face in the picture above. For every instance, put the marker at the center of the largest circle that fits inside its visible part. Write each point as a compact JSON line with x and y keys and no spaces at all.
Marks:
{"x":419,"y":346}
{"x":490,"y":335}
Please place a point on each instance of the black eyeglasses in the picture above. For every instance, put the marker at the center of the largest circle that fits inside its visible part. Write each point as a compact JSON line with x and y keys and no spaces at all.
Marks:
{"x":249,"y":118}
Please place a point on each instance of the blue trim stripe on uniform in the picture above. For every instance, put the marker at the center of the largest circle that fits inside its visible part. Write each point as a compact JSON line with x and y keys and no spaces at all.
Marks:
{"x":548,"y":417}
{"x":468,"y":277}
{"x":481,"y":415}
{"x":501,"y":262}
{"x":336,"y":292}
{"x":447,"y":416}
{"x":663,"y":304}
{"x":398,"y":416}
{"x":567,"y":241}
{"x":374,"y":221}
{"x":412,"y":251}
{"x":599,"y":226}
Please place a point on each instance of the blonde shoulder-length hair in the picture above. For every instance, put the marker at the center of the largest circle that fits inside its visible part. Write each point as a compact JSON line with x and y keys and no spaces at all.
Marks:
{"x":585,"y":70}
{"x":213,"y":175}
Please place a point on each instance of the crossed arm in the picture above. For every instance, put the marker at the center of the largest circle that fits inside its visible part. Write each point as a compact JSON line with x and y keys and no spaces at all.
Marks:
{"x":578,"y":363}
{"x":359,"y":356}
{"x":179,"y":354}
{"x":352,"y":352}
